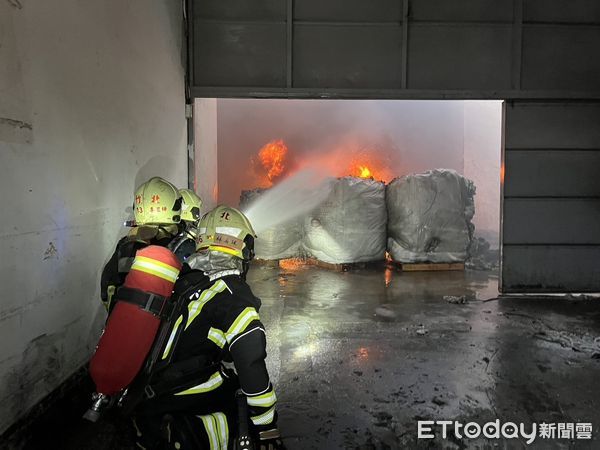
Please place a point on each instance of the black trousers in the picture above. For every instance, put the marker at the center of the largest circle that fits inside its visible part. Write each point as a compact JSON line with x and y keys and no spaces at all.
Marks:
{"x":204,"y":421}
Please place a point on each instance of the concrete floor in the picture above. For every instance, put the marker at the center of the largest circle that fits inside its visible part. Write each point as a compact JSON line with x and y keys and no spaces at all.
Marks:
{"x":358,"y":357}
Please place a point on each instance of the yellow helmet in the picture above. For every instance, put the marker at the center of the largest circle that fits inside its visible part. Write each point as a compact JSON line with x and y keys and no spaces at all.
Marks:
{"x":190,"y":208}
{"x":157,"y":202}
{"x":226,"y":229}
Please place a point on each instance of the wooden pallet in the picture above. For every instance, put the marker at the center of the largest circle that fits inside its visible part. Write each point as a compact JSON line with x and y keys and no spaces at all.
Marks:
{"x":341,"y":267}
{"x":429,"y":267}
{"x":345,"y":267}
{"x":329,"y":266}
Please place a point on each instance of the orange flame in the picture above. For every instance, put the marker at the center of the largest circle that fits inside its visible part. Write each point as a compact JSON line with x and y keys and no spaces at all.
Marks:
{"x":272,"y":157}
{"x":388,"y":276}
{"x":291,"y":264}
{"x":364,"y":172}
{"x":361,"y":171}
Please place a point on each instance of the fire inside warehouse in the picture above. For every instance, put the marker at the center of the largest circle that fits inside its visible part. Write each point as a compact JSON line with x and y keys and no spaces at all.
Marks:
{"x":361,"y":195}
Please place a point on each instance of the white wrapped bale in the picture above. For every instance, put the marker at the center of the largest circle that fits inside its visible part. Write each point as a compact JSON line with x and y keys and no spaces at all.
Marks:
{"x":429,"y":217}
{"x":350,"y":226}
{"x":279,"y":242}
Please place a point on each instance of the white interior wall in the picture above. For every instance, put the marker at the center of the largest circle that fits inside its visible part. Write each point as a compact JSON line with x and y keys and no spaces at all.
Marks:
{"x":91,"y":104}
{"x":482,"y":154}
{"x":206,"y":181}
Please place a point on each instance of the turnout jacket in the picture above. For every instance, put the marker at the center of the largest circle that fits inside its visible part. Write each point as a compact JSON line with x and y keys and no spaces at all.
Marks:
{"x":221,"y":325}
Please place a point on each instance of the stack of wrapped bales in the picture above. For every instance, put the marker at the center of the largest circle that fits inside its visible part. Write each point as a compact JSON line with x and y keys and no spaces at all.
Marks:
{"x":279,"y":242}
{"x":350,"y":226}
{"x":429,"y":217}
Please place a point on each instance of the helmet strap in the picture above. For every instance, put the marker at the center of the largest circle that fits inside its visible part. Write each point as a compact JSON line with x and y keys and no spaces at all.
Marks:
{"x":248,"y":255}
{"x":169,"y":231}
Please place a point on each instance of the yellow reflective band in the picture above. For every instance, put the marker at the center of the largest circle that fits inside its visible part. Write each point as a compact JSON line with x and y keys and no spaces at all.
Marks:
{"x":152,"y":267}
{"x":156,"y":262}
{"x":243,"y":320}
{"x":217,"y":336}
{"x":209,"y":426}
{"x":264,"y":400}
{"x":211,"y":384}
{"x":265,"y":418}
{"x":173,"y":333}
{"x":228,"y":250}
{"x":195,"y":307}
{"x":222,"y":429}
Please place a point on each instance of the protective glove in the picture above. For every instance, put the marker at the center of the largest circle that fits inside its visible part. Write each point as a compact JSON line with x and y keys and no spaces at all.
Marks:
{"x":270,"y":440}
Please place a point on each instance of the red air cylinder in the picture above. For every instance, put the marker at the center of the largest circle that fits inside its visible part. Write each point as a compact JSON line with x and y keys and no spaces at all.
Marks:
{"x":130,"y":330}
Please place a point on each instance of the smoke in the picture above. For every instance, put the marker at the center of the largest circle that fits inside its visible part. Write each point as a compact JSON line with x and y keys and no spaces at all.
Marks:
{"x":403,"y":136}
{"x":395,"y":137}
{"x":296,"y":195}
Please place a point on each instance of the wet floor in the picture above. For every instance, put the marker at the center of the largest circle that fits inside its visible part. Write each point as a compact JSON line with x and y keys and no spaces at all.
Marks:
{"x":359,"y":357}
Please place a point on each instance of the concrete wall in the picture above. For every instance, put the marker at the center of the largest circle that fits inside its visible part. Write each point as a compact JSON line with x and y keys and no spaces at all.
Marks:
{"x":206,"y":182}
{"x":91,"y":103}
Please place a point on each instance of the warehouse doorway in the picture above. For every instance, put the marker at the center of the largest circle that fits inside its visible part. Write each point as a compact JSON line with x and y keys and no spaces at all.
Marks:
{"x":245,"y":146}
{"x":355,"y":331}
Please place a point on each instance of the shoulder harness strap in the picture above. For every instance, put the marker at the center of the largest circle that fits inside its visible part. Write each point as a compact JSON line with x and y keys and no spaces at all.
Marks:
{"x":156,"y":304}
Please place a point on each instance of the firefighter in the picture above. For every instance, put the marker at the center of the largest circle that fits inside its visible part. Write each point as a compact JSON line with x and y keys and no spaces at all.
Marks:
{"x":157,"y":212}
{"x":185,"y":242}
{"x":216,"y":346}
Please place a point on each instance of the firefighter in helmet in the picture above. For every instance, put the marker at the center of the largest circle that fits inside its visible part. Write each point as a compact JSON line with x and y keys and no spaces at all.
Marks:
{"x":185,"y":243}
{"x":157,"y":212}
{"x":216,"y":347}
